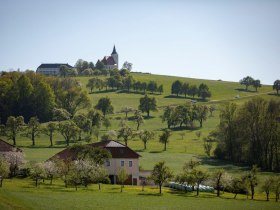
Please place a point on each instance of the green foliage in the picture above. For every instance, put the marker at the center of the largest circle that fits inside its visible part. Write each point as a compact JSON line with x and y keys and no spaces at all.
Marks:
{"x":13,"y":126}
{"x":105,"y":106}
{"x":276,"y":86}
{"x":33,"y":129}
{"x":69,"y":130}
{"x":4,"y":170}
{"x":145,"y":136}
{"x":122,"y":176}
{"x":147,"y":104}
{"x":160,"y":174}
{"x":247,"y":81}
{"x":125,"y":133}
{"x":164,"y":137}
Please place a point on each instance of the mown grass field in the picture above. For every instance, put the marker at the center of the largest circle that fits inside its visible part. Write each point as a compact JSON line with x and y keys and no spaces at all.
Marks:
{"x":22,"y":194}
{"x":19,"y":194}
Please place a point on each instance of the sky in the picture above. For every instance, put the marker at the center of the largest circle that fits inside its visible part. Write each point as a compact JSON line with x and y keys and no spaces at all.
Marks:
{"x":207,"y":39}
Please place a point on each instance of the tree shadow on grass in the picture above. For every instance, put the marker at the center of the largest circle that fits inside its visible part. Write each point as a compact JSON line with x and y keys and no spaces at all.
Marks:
{"x":150,"y":194}
{"x":103,"y":91}
{"x":244,"y":90}
{"x":274,"y":94}
{"x":223,"y":164}
{"x":187,"y":98}
{"x":155,"y":151}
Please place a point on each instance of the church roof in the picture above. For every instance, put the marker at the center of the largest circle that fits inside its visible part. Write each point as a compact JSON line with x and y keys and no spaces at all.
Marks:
{"x":108,"y":60}
{"x":114,"y":51}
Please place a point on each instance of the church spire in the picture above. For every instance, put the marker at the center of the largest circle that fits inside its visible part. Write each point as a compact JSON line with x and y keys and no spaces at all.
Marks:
{"x":114,"y":51}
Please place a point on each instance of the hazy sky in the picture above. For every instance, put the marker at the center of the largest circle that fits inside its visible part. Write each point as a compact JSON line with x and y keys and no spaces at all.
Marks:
{"x":211,"y":39}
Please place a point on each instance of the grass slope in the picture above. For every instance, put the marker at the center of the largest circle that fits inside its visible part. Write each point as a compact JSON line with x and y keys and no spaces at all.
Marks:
{"x":18,"y":194}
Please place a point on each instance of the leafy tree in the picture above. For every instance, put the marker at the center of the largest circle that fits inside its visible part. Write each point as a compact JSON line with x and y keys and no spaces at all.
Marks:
{"x":160,"y":174}
{"x":64,"y":70}
{"x":49,"y":130}
{"x":91,"y":65}
{"x":51,"y":170}
{"x":276,"y":187}
{"x":125,"y":133}
{"x":13,"y":126}
{"x":96,"y":117}
{"x":256,"y":84}
{"x":164,"y":137}
{"x":33,"y":129}
{"x":91,"y":84}
{"x":207,"y":144}
{"x":218,"y":178}
{"x":83,"y":123}
{"x":147,"y":104}
{"x":237,"y":186}
{"x":203,"y":91}
{"x":201,"y":113}
{"x":105,"y":106}
{"x":167,"y":116}
{"x":37,"y":173}
{"x":126,"y":110}
{"x":15,"y":160}
{"x":4,"y":170}
{"x":160,"y":89}
{"x":99,"y":65}
{"x":138,"y":118}
{"x":127,"y":65}
{"x":247,"y":81}
{"x":267,"y":186}
{"x":185,"y":89}
{"x":128,"y":82}
{"x":73,"y":100}
{"x":252,"y":179}
{"x":101,"y":176}
{"x":145,"y":136}
{"x":61,"y":114}
{"x":122,"y":177}
{"x":192,"y":90}
{"x":68,"y":130}
{"x":152,"y":86}
{"x":199,"y":176}
{"x":106,"y":122}
{"x":211,"y":109}
{"x":176,"y":87}
{"x":276,"y":86}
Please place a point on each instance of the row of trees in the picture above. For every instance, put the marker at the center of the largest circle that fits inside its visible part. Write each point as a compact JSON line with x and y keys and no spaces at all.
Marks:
{"x":180,"y":88}
{"x":122,"y":80}
{"x":185,"y":115}
{"x":249,"y":133}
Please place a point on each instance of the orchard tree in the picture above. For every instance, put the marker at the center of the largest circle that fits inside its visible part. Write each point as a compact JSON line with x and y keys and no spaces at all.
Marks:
{"x":101,"y":176}
{"x":96,"y":117}
{"x":33,"y":129}
{"x":146,"y":136}
{"x":252,"y":179}
{"x":192,"y":90}
{"x":217,"y":176}
{"x":126,"y":110}
{"x":160,"y":89}
{"x":256,"y":84}
{"x":4,"y":170}
{"x":15,"y":159}
{"x":267,"y":186}
{"x":37,"y":172}
{"x":60,"y":114}
{"x":200,"y":176}
{"x":203,"y":91}
{"x":164,"y":137}
{"x":247,"y":81}
{"x":161,"y":174}
{"x":168,"y":116}
{"x":83,"y":123}
{"x":276,"y":86}
{"x":201,"y":113}
{"x":138,"y":118}
{"x":147,"y":104}
{"x":69,"y":130}
{"x":185,"y":88}
{"x":64,"y":70}
{"x":127,"y":65}
{"x":105,"y":106}
{"x":122,"y":176}
{"x":125,"y":133}
{"x":176,"y":87}
{"x":51,"y":170}
{"x":49,"y":130}
{"x":13,"y":126}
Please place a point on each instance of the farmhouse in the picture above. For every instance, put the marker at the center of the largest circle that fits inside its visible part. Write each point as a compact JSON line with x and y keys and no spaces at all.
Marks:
{"x":6,"y":147}
{"x":51,"y":68}
{"x":111,"y":62}
{"x":122,"y":156}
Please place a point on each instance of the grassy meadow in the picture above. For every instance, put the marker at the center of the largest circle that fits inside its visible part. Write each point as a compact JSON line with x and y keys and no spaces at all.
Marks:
{"x":18,"y":194}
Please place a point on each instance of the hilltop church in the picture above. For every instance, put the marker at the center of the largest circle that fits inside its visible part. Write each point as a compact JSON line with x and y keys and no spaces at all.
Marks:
{"x":112,"y":61}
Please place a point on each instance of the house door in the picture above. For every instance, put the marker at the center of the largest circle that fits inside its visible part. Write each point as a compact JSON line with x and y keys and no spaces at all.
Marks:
{"x":134,"y":181}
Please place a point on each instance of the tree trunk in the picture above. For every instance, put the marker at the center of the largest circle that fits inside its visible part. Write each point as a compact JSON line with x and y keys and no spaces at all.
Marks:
{"x":51,"y":140}
{"x":33,"y":139}
{"x":138,"y":124}
{"x":164,"y":146}
{"x":14,"y":140}
{"x":197,"y":190}
{"x":252,"y":193}
{"x":267,"y":196}
{"x":160,"y":189}
{"x":99,"y":187}
{"x":145,"y":146}
{"x":218,"y":191}
{"x":1,"y":181}
{"x":67,"y":142}
{"x":235,"y":195}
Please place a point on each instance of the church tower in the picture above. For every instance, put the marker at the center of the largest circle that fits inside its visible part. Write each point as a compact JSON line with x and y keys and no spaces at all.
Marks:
{"x":115,"y":56}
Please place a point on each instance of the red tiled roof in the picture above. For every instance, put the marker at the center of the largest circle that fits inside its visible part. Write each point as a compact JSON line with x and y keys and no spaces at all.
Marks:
{"x":116,"y":149}
{"x":6,"y":147}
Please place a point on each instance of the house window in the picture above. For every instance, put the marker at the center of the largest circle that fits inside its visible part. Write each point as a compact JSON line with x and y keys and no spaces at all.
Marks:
{"x":130,"y":163}
{"x":122,"y":163}
{"x":108,"y":162}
